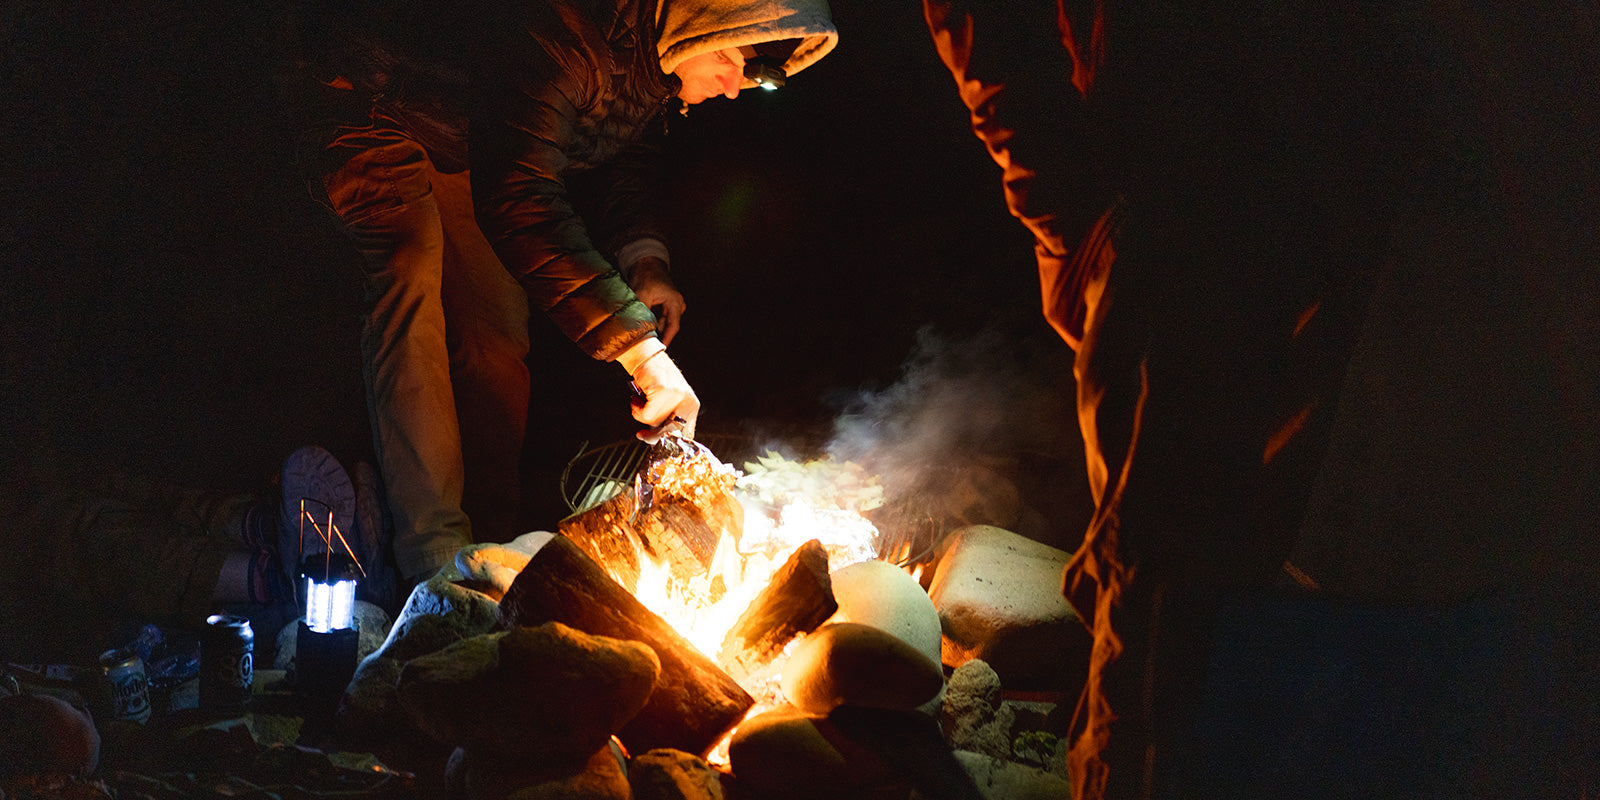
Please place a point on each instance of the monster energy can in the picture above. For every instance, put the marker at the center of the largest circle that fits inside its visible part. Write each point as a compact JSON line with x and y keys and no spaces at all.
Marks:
{"x":227,"y":662}
{"x":126,"y":683}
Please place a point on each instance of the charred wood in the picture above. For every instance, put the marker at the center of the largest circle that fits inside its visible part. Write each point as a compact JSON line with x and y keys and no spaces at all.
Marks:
{"x":694,"y":702}
{"x":605,"y":535}
{"x":797,"y":600}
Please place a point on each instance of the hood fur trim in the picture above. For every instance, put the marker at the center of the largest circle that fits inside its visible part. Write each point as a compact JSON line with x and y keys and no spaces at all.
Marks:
{"x":691,"y":27}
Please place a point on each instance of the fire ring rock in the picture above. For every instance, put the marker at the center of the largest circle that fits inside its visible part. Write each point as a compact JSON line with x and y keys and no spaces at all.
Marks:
{"x":41,"y":733}
{"x":975,"y":717}
{"x":494,"y":567}
{"x":999,"y":599}
{"x":439,"y":612}
{"x":882,"y":595}
{"x":847,"y":663}
{"x":786,"y":754}
{"x":549,"y":694}
{"x":667,"y":774}
{"x":999,"y":779}
{"x":599,"y":777}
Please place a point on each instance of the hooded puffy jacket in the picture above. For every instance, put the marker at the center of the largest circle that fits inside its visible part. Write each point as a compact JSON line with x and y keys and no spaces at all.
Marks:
{"x":540,"y":98}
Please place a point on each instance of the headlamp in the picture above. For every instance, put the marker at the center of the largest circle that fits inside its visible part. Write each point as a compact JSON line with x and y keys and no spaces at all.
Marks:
{"x":765,"y":73}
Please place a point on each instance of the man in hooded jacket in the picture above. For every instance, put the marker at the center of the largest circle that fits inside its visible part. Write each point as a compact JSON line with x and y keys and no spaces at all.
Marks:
{"x":486,"y":156}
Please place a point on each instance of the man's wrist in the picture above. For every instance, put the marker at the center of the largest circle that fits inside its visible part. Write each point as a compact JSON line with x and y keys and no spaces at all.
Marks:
{"x":634,"y":356}
{"x":633,"y":255}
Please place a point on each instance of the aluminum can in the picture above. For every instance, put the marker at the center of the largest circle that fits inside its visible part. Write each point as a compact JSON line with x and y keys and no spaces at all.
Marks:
{"x":126,"y":684}
{"x":227,"y":662}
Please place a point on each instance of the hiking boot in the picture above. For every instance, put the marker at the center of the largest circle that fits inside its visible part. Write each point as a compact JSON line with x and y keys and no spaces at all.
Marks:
{"x":314,"y":489}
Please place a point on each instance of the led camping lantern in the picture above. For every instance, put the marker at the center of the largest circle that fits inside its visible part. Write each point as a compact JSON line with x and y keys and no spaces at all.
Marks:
{"x":330,"y":593}
{"x":325,"y":644}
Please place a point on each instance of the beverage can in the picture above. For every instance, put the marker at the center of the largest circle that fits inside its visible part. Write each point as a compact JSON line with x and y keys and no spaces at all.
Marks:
{"x":227,"y":662}
{"x":126,"y":684}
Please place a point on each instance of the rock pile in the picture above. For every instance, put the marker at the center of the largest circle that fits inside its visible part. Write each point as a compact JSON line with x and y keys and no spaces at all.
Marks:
{"x":533,"y":710}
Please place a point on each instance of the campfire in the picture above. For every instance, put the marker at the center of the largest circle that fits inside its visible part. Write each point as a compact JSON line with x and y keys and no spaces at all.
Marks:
{"x":755,"y":627}
{"x":696,"y":540}
{"x":700,"y":544}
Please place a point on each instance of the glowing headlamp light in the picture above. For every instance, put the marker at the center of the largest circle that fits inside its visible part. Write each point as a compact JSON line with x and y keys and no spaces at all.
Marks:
{"x":764,"y":73}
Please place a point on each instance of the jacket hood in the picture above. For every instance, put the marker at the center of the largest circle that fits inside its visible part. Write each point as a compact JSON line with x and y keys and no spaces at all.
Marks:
{"x":691,"y":27}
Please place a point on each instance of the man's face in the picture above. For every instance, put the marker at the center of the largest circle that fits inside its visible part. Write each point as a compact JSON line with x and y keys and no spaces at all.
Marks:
{"x":707,"y":75}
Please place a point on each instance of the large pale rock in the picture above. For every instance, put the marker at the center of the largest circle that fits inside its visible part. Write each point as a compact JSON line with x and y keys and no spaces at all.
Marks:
{"x":666,"y":774}
{"x":493,"y":567}
{"x":787,"y":754}
{"x":999,"y":599}
{"x":600,"y":776}
{"x":848,"y":663}
{"x":549,"y":694}
{"x":885,"y":597}
{"x":974,"y":716}
{"x":999,"y":779}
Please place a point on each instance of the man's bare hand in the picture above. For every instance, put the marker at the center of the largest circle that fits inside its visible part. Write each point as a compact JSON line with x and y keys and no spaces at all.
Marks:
{"x":654,"y":288}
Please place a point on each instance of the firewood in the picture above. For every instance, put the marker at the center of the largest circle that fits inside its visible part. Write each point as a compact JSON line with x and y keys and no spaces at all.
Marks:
{"x":683,"y":531}
{"x":797,"y":600}
{"x":605,"y":535}
{"x":694,"y":702}
{"x":679,"y":507}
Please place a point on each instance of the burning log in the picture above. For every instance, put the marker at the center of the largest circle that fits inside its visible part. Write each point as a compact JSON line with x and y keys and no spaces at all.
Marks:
{"x":797,"y":600}
{"x":694,"y":702}
{"x":680,"y":506}
{"x":605,"y":535}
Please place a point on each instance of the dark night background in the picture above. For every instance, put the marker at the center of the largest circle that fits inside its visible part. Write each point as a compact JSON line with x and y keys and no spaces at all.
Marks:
{"x":176,"y":305}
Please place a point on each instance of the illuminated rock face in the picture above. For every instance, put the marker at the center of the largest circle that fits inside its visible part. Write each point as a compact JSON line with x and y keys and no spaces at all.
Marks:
{"x":439,"y":612}
{"x":999,"y":599}
{"x":665,"y":774}
{"x":975,"y":717}
{"x":847,"y":663}
{"x":883,"y":596}
{"x":998,"y":779}
{"x":493,"y":566}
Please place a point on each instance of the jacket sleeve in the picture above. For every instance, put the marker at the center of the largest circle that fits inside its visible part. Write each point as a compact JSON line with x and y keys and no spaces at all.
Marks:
{"x":1015,"y":69}
{"x":521,"y":133}
{"x":629,"y":196}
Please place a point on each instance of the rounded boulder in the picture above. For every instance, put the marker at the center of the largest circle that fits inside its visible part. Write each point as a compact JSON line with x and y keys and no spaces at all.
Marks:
{"x":881,"y":595}
{"x":848,"y":663}
{"x":550,"y":692}
{"x":787,"y":754}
